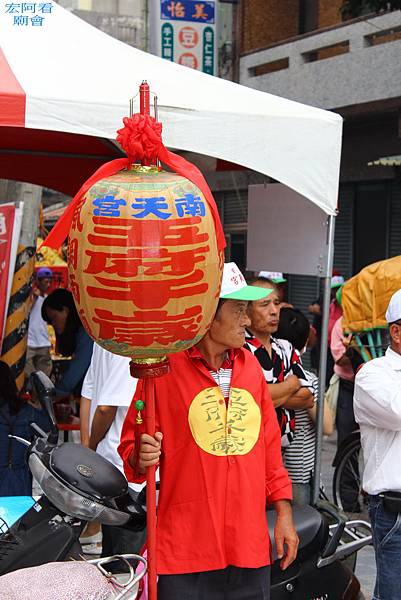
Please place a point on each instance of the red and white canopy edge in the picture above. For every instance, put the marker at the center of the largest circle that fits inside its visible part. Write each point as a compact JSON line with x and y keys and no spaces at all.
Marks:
{"x":68,"y":77}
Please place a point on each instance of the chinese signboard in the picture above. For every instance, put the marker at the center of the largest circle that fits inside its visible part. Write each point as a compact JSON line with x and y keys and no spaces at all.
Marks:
{"x":27,"y":14}
{"x":184,"y":31}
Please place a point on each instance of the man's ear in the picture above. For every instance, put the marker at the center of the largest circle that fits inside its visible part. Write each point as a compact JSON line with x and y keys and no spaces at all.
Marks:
{"x":395,"y":333}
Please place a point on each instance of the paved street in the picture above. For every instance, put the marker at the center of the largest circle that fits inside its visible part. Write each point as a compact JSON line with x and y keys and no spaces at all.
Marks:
{"x":365,"y":568}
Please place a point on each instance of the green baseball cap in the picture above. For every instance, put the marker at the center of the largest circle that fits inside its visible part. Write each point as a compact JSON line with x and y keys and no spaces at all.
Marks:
{"x":234,"y":286}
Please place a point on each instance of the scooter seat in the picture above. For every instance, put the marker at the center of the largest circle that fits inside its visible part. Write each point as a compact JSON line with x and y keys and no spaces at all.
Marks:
{"x":312,"y":529}
{"x":88,"y":472}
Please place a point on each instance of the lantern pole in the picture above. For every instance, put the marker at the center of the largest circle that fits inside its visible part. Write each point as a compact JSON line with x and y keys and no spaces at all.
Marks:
{"x":150,"y":419}
{"x":148,"y":369}
{"x":144,"y":98}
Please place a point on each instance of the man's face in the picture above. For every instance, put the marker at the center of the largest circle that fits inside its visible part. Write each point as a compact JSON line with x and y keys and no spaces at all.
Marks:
{"x":57,"y":318}
{"x":265,"y":314}
{"x":395,"y":334}
{"x":44,"y":284}
{"x":229,"y":324}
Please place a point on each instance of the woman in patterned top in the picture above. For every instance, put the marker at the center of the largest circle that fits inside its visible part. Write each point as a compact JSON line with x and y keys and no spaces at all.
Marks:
{"x":288,"y":385}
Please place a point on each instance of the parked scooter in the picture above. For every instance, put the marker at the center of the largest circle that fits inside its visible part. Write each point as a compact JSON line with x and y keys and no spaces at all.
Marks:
{"x":320,"y":571}
{"x":79,"y":486}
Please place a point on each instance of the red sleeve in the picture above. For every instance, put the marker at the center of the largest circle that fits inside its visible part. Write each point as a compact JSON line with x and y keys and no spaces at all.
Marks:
{"x":278,"y":483}
{"x":128,"y":441}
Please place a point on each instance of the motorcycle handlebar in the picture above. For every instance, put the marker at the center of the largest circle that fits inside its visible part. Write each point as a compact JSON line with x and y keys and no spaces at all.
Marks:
{"x":46,"y":392}
{"x":341,"y":522}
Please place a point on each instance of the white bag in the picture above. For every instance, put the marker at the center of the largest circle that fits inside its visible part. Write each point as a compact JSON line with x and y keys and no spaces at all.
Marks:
{"x":331,"y":395}
{"x":73,"y":580}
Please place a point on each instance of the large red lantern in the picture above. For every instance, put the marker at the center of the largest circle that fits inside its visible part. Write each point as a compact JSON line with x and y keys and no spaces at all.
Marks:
{"x":145,"y":258}
{"x":143,"y":262}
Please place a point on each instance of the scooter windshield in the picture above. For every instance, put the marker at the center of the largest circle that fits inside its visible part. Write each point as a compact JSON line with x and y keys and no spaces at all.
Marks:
{"x":71,"y":502}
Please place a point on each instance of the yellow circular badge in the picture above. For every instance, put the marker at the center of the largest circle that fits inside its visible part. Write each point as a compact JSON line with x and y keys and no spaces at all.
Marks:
{"x":224,"y":430}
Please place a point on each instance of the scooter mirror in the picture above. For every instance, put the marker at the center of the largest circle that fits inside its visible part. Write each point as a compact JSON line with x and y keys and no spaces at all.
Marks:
{"x":46,"y":392}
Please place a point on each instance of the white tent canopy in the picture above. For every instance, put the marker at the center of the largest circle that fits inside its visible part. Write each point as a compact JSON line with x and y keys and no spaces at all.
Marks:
{"x":77,"y":79}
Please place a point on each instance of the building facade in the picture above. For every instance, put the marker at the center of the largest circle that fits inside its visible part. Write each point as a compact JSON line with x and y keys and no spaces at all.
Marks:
{"x":311,"y":52}
{"x":125,"y":20}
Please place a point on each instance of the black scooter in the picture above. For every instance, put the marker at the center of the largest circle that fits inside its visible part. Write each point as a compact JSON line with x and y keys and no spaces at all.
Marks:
{"x":80,"y":486}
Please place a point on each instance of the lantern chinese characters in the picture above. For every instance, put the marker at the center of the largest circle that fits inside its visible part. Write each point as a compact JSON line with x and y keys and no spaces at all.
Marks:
{"x":143,"y":260}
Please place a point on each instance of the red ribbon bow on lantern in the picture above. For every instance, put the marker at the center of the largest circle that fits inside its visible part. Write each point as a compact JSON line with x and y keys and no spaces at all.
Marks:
{"x":141,"y":139}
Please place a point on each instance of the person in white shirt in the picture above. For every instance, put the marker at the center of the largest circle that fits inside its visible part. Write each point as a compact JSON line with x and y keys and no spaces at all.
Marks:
{"x":38,"y":349}
{"x":107,"y":393}
{"x":377,"y":406}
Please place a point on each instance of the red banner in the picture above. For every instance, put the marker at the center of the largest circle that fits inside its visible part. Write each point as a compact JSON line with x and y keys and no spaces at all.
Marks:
{"x":7,"y":214}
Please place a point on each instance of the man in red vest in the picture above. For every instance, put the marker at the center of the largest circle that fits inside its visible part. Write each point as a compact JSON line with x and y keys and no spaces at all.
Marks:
{"x":219,"y":448}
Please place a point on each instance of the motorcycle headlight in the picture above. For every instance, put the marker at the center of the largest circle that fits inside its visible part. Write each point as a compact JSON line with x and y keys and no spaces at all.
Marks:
{"x":71,"y":502}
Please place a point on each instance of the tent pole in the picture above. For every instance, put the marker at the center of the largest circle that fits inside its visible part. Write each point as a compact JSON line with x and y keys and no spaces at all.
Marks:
{"x":323,"y":357}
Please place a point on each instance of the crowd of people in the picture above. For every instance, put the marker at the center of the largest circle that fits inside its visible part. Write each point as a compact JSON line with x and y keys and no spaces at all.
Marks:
{"x":262,"y":404}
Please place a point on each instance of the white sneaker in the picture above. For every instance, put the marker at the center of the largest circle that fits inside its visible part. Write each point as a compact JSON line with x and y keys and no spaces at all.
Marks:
{"x":93,"y":549}
{"x":91,"y":539}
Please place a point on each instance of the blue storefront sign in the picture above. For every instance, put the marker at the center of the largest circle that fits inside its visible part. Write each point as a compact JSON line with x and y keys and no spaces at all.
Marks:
{"x":194,"y":11}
